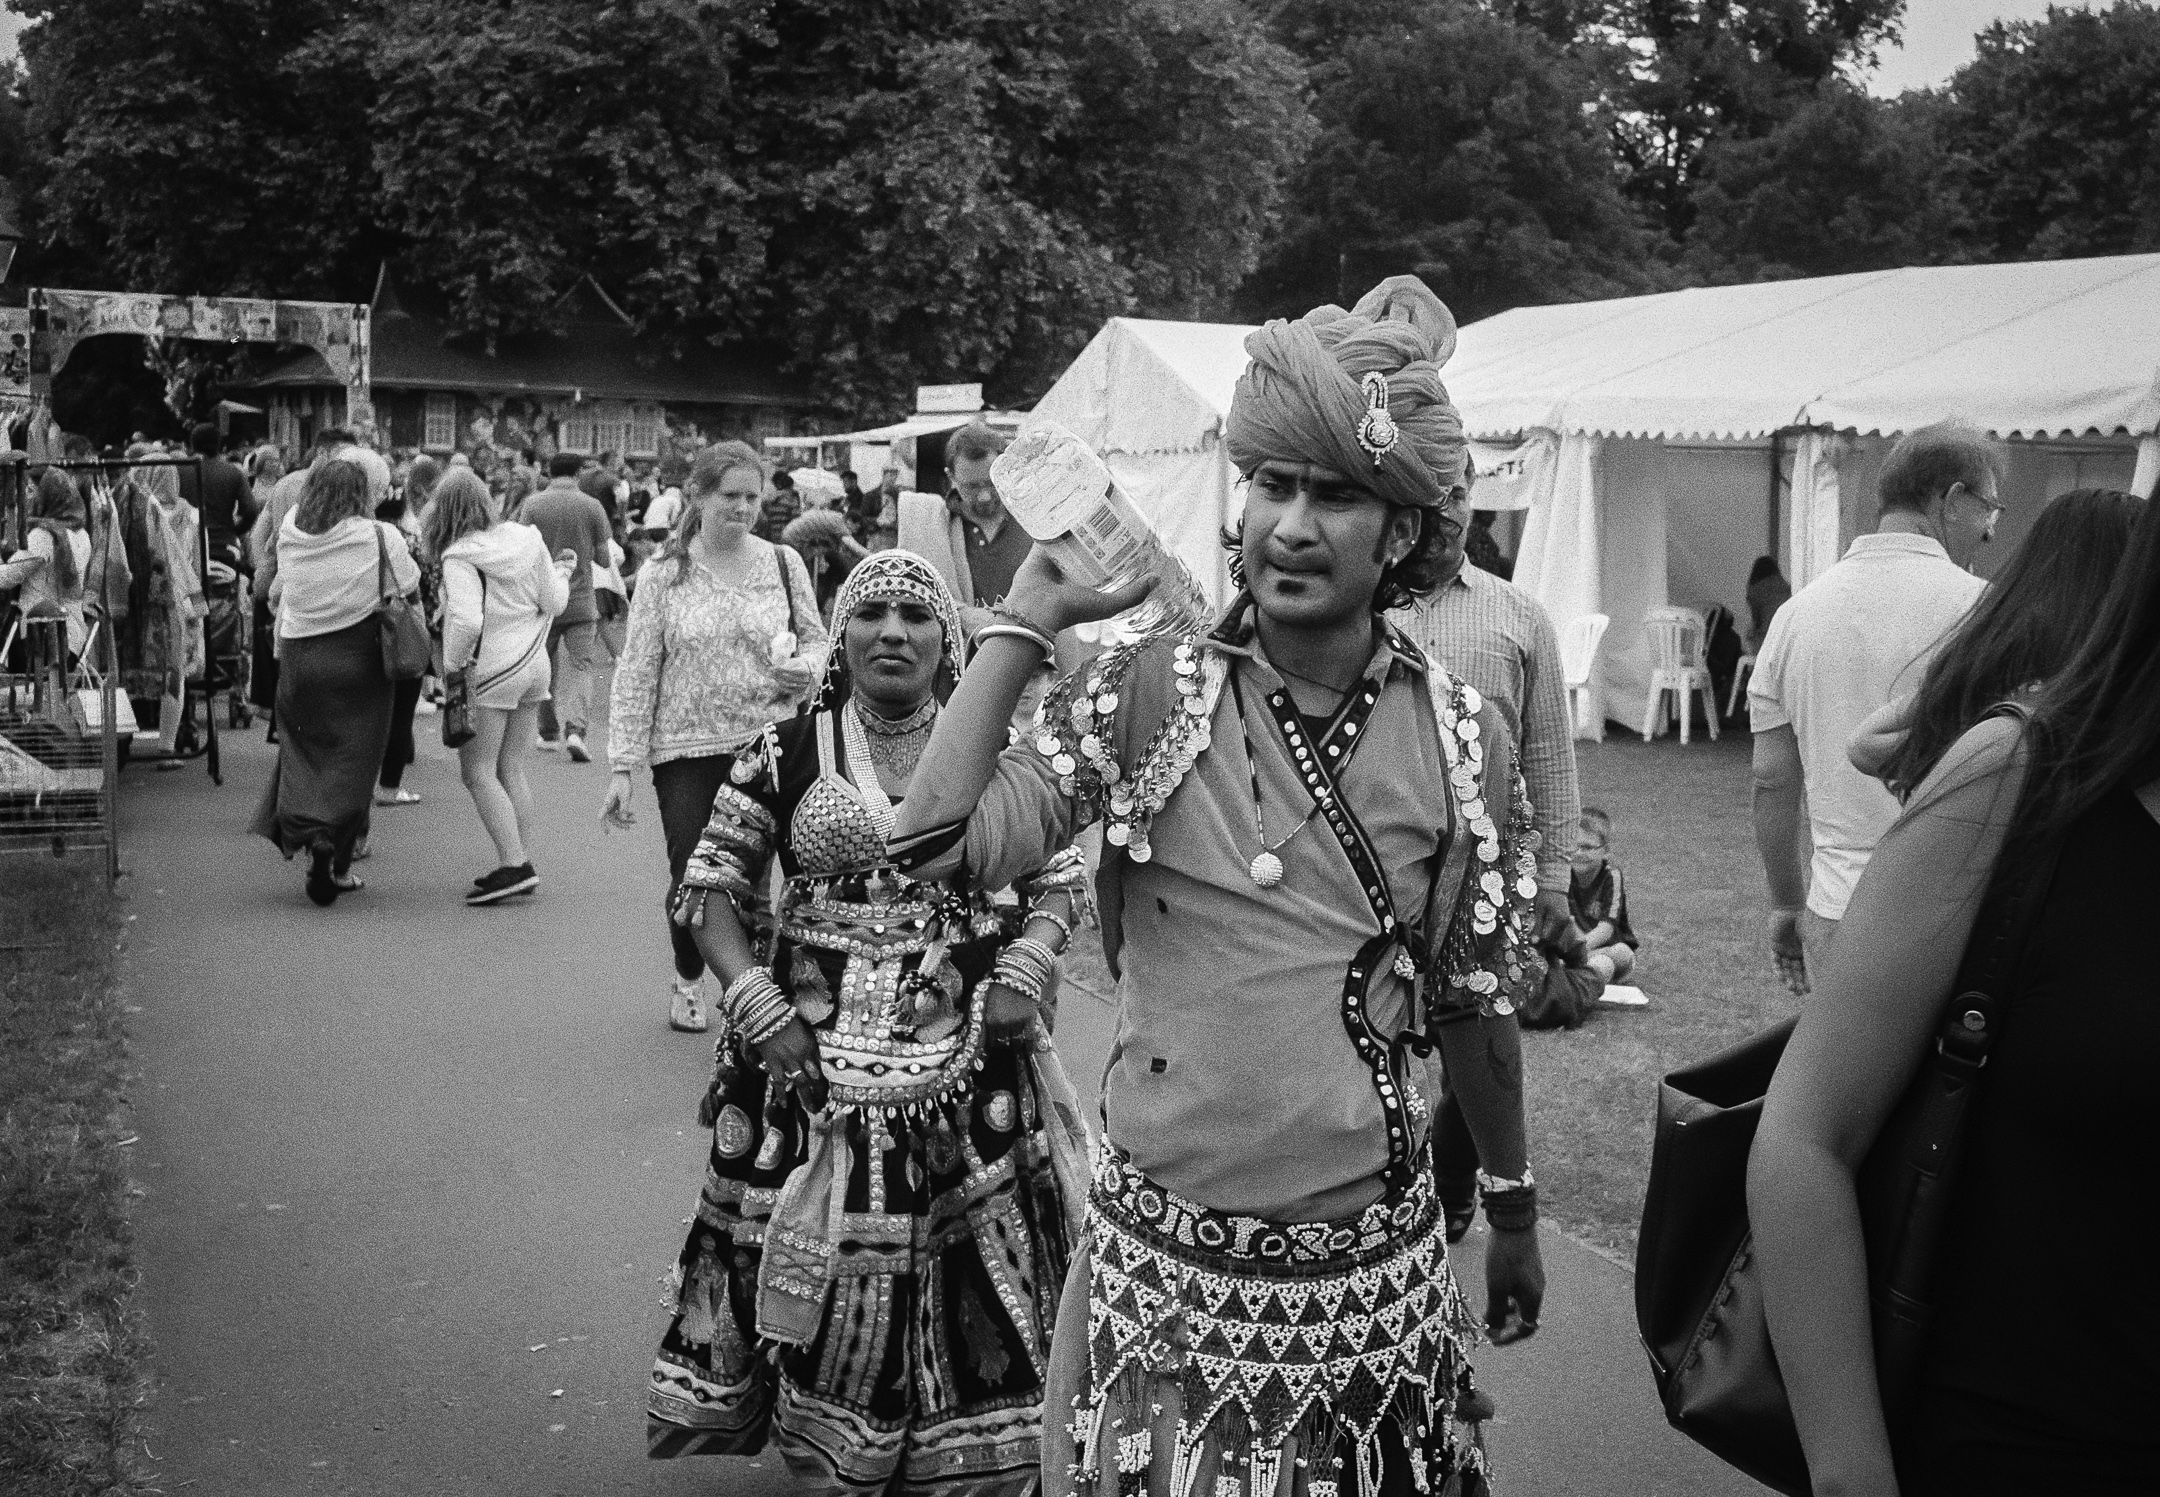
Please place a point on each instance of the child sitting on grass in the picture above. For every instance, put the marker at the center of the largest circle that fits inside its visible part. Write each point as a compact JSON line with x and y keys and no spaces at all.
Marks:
{"x":1597,"y":897}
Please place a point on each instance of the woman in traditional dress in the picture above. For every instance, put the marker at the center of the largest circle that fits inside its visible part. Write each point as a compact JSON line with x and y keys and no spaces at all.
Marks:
{"x":895,"y":1150}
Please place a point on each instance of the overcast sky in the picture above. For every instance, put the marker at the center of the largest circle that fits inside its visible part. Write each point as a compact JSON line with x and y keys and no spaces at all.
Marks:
{"x":1938,"y":39}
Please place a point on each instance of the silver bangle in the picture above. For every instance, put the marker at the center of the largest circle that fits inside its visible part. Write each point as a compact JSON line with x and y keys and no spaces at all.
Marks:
{"x":1041,"y":641}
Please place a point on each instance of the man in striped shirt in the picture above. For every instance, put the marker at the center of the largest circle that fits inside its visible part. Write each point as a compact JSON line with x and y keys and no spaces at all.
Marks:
{"x":1498,"y":638}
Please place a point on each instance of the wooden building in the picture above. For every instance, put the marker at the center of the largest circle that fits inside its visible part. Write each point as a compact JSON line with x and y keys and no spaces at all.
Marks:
{"x":595,"y":387}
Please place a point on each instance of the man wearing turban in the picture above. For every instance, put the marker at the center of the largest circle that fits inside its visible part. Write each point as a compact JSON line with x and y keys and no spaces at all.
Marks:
{"x":1294,"y":912}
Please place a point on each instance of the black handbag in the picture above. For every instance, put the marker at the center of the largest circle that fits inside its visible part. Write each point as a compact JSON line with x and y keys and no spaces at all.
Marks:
{"x":406,"y":651}
{"x":1698,"y":1292}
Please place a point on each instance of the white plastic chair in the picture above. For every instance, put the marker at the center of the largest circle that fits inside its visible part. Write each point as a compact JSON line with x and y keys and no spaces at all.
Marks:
{"x":1676,"y":640}
{"x":1743,"y":668}
{"x":1578,"y":653}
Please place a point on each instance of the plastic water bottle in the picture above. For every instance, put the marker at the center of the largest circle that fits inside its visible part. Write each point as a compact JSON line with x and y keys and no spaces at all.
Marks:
{"x":1063,"y":495}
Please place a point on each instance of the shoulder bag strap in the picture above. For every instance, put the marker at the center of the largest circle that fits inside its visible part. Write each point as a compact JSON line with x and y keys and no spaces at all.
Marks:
{"x":383,"y":593}
{"x":787,"y":586}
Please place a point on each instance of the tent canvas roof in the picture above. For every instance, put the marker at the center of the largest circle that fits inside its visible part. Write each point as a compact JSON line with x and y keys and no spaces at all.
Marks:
{"x":2036,"y":349}
{"x":1173,"y":379}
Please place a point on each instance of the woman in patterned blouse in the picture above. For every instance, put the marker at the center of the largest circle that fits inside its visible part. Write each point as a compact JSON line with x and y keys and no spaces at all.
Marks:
{"x":724,"y":637}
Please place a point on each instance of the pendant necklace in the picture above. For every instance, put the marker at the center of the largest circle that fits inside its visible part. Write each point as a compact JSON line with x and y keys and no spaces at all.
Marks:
{"x":1266,"y":868}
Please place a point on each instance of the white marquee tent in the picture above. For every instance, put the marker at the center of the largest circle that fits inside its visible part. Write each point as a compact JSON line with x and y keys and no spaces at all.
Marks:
{"x":1668,"y":440}
{"x":1661,"y":443}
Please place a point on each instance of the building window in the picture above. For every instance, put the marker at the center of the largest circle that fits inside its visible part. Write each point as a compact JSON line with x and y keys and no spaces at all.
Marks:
{"x":439,"y":425}
{"x":644,"y":436}
{"x":575,"y":432}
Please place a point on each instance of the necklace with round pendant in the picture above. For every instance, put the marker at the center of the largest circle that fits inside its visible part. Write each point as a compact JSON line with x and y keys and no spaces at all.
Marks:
{"x":1266,"y":867}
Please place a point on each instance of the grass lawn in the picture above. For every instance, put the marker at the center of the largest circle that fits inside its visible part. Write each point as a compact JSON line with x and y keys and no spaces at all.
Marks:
{"x":1682,"y":835}
{"x":70,"y":1341}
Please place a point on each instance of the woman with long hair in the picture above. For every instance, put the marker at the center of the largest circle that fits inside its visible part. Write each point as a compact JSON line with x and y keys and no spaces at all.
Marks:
{"x":333,"y":701}
{"x":724,"y":638}
{"x":502,"y":589}
{"x":873,"y":1270}
{"x":2024,"y":629}
{"x":2040,"y":1373}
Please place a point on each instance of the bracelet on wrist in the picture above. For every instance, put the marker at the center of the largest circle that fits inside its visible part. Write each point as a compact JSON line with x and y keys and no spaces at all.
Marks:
{"x":1064,"y":926}
{"x":1034,"y":637}
{"x":1510,"y":1205}
{"x":1013,"y":615}
{"x":756,"y":1005}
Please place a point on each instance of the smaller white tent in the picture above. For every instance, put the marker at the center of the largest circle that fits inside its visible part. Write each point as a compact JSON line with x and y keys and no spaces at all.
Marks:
{"x":1150,"y":397}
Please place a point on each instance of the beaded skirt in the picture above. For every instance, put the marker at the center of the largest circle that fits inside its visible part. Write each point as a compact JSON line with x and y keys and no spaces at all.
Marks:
{"x":949,"y":1251}
{"x":1322,"y":1359}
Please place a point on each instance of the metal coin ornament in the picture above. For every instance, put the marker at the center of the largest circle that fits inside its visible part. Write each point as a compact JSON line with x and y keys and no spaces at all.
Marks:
{"x":1267,"y":870}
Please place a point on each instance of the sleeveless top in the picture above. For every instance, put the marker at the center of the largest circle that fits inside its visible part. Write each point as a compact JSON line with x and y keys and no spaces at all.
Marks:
{"x":2048,"y":1305}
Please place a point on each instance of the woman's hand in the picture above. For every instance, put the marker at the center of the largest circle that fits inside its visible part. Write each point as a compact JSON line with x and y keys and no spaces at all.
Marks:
{"x":1053,"y":602}
{"x":615,"y":810}
{"x":1008,"y":1016}
{"x":791,"y":1059}
{"x":794,"y":673}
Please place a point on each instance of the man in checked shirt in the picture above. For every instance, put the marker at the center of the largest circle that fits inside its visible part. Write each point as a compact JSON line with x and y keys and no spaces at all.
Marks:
{"x":1498,"y":638}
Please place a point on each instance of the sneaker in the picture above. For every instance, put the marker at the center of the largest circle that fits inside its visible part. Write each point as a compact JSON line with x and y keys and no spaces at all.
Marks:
{"x":547,"y":745}
{"x":398,"y":797}
{"x":686,"y":1005}
{"x":503,"y":883}
{"x":574,"y":745}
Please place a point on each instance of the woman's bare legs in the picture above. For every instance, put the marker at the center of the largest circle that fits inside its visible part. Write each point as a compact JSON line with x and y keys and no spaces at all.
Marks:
{"x":478,"y":762}
{"x":517,"y":746}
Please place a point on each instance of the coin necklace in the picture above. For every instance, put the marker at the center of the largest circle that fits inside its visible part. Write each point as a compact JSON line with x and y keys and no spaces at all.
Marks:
{"x":1266,"y":868}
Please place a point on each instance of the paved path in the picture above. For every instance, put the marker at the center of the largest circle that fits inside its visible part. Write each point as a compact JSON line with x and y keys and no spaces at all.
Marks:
{"x":414,"y":1170}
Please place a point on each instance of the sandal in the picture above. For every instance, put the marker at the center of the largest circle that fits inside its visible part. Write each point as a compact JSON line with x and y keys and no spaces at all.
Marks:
{"x":346,"y":883}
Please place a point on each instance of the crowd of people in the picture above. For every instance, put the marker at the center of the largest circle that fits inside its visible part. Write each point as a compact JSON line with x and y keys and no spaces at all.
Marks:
{"x":879,"y":750}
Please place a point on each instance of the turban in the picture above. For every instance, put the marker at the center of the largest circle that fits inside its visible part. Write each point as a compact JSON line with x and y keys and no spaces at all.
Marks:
{"x":1304,"y":396}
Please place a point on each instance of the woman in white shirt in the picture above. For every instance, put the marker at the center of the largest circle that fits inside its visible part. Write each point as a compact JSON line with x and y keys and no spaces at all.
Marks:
{"x":501,"y":592}
{"x":333,"y":700}
{"x":724,"y":637}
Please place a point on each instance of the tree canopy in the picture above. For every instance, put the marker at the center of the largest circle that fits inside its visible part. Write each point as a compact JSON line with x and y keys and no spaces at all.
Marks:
{"x":894,"y":191}
{"x":1457,"y":146}
{"x":905,"y":191}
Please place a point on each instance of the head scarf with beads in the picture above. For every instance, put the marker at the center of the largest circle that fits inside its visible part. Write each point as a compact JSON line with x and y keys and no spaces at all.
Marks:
{"x":884,"y":577}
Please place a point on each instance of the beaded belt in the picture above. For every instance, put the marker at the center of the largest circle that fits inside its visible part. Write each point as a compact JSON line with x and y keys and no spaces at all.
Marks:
{"x":1271,"y":1330}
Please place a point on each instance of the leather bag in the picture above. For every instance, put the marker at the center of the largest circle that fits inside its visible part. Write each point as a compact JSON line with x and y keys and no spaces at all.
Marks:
{"x":406,"y":652}
{"x":1698,"y":1289}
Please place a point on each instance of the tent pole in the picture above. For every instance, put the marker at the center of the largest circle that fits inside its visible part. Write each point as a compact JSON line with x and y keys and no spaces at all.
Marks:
{"x":1777,"y":462}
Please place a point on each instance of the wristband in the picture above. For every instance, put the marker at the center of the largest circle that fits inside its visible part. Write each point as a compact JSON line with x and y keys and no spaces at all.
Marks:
{"x":1510,"y":1205}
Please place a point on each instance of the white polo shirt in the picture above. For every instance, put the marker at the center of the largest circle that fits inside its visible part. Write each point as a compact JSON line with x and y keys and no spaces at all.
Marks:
{"x":1848,"y":642}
